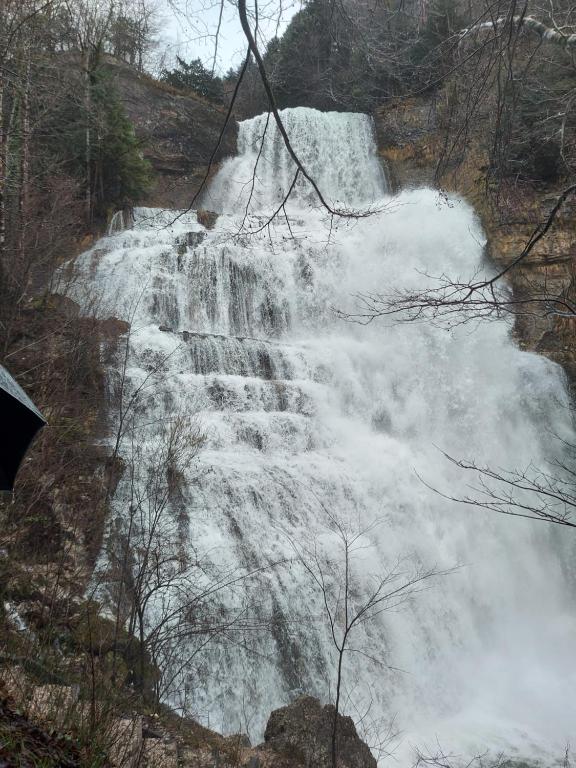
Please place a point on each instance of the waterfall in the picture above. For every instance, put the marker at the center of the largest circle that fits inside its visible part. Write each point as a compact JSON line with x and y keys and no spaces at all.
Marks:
{"x":309,"y":419}
{"x":339,"y":153}
{"x":120,"y":221}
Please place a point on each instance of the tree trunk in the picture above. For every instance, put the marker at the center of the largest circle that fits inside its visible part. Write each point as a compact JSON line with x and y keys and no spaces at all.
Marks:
{"x":88,"y":134}
{"x":337,"y":709}
{"x":3,"y":146}
{"x":8,"y":280}
{"x":526,"y":23}
{"x":24,"y":191}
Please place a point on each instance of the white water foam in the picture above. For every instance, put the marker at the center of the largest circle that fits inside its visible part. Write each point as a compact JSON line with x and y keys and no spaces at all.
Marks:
{"x":306,"y":413}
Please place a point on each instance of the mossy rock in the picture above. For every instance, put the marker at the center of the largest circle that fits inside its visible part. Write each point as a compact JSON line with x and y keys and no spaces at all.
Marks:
{"x":90,"y":631}
{"x":93,"y":634}
{"x":207,"y":218}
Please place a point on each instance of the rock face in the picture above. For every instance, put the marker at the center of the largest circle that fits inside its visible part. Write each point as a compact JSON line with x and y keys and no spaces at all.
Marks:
{"x":179,"y":132}
{"x":406,"y":138}
{"x":303,"y":730}
{"x":46,"y":716}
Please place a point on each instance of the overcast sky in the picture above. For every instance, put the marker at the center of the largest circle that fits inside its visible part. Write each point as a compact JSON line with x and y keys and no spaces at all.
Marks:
{"x":188,"y":28}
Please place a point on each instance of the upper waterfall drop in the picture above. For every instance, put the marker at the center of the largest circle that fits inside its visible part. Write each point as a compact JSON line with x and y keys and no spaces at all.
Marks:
{"x":337,"y":149}
{"x":308,"y":417}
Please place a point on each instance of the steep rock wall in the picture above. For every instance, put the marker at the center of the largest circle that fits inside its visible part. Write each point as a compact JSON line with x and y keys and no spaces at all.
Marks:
{"x":179,"y":132}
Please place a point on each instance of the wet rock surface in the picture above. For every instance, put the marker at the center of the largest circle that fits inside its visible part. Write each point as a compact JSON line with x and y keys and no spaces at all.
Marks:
{"x":304,"y":729}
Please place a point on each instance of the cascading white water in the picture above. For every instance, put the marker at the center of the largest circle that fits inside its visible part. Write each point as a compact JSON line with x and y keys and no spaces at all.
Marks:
{"x":340,"y":153}
{"x":307,"y":415}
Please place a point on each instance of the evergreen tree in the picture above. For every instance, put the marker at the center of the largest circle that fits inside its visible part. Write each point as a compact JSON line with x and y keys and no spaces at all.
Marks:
{"x":194,"y":76}
{"x":122,"y":174}
{"x":325,"y":60}
{"x":431,"y":54}
{"x":118,"y":173}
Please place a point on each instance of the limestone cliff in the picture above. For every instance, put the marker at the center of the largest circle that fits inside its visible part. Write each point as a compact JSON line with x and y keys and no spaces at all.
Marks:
{"x":179,"y":131}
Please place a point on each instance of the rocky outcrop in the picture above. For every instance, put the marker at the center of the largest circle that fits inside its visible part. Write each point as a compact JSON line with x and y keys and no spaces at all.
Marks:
{"x":179,"y":132}
{"x":406,"y":135}
{"x":303,"y":730}
{"x":297,"y":736}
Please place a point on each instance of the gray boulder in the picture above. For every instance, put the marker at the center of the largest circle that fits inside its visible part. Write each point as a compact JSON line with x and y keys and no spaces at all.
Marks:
{"x":303,"y":730}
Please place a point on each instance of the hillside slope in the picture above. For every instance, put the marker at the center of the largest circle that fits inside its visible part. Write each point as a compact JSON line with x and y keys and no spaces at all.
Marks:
{"x":179,"y":132}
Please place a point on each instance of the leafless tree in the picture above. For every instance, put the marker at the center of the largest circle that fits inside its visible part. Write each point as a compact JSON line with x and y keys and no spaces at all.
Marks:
{"x":163,"y":590}
{"x":348,"y":603}
{"x":541,"y":493}
{"x":438,"y":757}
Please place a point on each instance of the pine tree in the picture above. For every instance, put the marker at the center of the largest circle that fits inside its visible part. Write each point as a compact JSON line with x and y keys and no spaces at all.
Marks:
{"x":195,"y":77}
{"x":122,"y":175}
